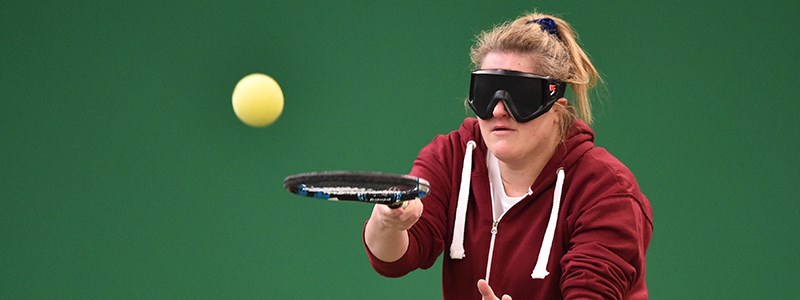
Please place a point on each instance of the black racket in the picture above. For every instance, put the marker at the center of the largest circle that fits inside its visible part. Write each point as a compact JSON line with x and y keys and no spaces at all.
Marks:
{"x":367,"y":187}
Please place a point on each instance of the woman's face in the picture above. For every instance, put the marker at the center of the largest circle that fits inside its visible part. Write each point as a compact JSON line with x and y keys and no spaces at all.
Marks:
{"x":509,"y":140}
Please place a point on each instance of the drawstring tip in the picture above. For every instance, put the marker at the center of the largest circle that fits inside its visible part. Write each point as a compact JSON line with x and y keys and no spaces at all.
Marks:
{"x":455,"y":254}
{"x":539,"y":274}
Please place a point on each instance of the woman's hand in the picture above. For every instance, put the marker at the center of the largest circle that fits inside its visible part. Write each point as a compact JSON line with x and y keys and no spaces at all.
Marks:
{"x":487,"y":293}
{"x":401,"y":218}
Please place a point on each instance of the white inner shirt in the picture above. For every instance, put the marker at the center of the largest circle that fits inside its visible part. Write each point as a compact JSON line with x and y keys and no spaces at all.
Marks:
{"x":500,"y":201}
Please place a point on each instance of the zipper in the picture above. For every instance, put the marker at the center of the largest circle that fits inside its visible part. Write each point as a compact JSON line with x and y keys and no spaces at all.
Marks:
{"x":495,"y":223}
{"x":491,"y":249}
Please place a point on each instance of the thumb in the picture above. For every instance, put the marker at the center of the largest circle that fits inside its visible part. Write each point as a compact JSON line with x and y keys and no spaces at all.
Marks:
{"x":486,"y":290}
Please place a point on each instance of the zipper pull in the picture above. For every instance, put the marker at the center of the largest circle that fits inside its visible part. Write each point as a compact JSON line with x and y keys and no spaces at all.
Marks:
{"x":494,"y":227}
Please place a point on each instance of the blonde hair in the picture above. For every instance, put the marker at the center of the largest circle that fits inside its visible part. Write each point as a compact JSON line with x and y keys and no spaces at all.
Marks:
{"x":558,"y":55}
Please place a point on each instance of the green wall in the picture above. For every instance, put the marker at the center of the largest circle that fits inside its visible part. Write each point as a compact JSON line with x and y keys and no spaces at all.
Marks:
{"x":125,"y":173}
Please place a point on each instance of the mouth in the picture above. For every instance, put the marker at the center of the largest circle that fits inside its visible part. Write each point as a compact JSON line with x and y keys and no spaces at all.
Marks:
{"x":501,"y":128}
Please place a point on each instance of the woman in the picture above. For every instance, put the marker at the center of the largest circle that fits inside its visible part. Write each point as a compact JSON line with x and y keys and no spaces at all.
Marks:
{"x":522,"y":201}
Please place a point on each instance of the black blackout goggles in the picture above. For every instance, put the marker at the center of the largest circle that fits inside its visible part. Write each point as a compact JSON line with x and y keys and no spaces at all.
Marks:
{"x":525,"y":95}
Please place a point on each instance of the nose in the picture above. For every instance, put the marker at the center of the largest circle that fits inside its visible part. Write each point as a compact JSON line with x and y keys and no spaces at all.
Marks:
{"x":499,"y":109}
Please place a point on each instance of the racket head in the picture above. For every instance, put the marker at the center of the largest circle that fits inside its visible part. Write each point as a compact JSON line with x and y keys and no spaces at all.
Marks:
{"x":367,"y":187}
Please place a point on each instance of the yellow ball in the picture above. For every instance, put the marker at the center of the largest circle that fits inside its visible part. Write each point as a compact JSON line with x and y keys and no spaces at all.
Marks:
{"x":257,"y":100}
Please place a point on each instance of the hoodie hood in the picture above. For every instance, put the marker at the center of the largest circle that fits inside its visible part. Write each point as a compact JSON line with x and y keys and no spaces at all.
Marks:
{"x":577,"y":142}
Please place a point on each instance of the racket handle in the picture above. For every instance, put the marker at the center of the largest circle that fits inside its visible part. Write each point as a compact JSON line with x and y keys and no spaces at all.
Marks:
{"x":396,"y":205}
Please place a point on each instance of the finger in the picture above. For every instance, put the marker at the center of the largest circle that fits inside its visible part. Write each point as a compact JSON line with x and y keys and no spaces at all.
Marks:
{"x":388,"y":211}
{"x":414,"y":207}
{"x":486,"y":290}
{"x":412,"y":211}
{"x":408,"y":218}
{"x":385,"y":215}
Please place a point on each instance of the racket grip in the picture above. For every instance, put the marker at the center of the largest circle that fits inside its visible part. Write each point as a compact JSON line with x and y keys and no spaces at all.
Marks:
{"x":396,"y":205}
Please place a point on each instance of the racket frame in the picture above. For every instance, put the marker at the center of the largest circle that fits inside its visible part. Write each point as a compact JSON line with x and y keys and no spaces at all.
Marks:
{"x":303,"y":184}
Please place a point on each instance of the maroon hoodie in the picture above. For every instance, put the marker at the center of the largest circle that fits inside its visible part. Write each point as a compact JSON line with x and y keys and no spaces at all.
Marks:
{"x":599,"y":233}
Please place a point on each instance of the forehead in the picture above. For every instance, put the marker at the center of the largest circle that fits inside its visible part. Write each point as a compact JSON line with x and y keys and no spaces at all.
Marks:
{"x":510,"y":61}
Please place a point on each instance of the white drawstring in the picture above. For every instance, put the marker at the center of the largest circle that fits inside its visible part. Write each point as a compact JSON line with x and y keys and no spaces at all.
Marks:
{"x":457,"y":246}
{"x":540,"y":270}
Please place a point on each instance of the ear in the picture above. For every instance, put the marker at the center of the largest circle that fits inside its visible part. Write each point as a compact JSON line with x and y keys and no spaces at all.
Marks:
{"x":560,"y":106}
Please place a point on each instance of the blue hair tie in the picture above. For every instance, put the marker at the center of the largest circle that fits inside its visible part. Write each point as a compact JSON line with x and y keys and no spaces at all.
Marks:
{"x":546,"y":24}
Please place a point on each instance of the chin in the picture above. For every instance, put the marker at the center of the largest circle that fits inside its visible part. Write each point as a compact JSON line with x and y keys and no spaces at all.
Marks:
{"x":502,"y":151}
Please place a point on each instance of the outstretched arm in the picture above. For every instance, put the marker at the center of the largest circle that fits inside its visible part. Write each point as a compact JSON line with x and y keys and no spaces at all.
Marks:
{"x":386,"y":232}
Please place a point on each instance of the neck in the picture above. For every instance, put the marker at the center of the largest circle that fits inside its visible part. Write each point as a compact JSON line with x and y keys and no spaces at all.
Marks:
{"x":519,"y":175}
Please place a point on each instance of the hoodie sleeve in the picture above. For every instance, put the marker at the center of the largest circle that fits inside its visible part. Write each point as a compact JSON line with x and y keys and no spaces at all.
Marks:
{"x":426,"y":237}
{"x":607,"y":250}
